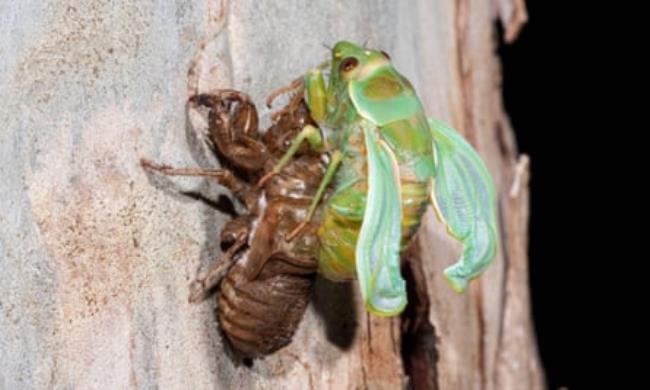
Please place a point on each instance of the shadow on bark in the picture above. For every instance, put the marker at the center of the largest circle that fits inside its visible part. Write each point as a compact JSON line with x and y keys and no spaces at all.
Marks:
{"x":332,"y":302}
{"x":419,"y":351}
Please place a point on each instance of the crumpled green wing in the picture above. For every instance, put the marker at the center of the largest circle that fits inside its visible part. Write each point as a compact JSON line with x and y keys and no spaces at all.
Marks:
{"x":378,"y":244}
{"x":464,"y":198}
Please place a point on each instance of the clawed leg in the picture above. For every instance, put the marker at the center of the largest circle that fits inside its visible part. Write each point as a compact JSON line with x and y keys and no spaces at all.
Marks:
{"x":223,"y":177}
{"x":295,"y":86}
{"x":233,"y":127}
{"x":296,"y":89}
{"x":309,"y":133}
{"x":201,"y":286}
{"x":335,"y":161}
{"x":233,"y":112}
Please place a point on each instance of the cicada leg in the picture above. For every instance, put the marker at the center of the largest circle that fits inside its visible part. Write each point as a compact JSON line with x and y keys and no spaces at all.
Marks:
{"x":316,"y":94}
{"x":201,"y":286}
{"x":309,"y":133}
{"x":233,"y":129}
{"x":314,"y":86}
{"x":337,"y":157}
{"x":296,"y":89}
{"x":224,"y":177}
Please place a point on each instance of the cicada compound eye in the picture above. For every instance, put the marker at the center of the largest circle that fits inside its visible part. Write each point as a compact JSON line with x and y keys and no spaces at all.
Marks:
{"x":348,"y":64}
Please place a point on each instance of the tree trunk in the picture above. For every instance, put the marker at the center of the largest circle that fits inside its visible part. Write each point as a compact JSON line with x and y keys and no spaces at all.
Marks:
{"x":96,"y":261}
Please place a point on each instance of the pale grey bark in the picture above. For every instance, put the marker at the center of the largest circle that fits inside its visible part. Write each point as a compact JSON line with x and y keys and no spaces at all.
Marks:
{"x":96,"y":261}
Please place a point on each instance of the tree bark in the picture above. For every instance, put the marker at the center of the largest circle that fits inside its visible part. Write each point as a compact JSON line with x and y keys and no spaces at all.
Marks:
{"x":96,"y":261}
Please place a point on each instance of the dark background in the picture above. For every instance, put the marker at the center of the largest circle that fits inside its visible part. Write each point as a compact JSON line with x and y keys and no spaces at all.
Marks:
{"x":543,"y":81}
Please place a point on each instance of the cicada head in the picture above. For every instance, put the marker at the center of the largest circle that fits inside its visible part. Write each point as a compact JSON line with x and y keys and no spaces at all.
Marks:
{"x":351,"y":62}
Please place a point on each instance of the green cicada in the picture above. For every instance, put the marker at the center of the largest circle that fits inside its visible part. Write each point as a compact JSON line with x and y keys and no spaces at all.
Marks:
{"x":387,"y":162}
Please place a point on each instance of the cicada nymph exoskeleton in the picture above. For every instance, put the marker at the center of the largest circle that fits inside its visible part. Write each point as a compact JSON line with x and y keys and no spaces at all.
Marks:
{"x":263,"y":280}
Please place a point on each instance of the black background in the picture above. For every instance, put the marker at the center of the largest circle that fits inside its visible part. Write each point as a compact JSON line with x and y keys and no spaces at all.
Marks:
{"x":545,"y":79}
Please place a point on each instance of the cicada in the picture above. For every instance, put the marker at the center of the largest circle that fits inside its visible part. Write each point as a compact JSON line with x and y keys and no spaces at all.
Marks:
{"x":264,"y":282}
{"x":387,"y":163}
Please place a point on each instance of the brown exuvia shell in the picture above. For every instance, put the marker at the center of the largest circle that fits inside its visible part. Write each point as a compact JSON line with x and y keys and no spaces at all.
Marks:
{"x":260,"y":316}
{"x":264,"y":281}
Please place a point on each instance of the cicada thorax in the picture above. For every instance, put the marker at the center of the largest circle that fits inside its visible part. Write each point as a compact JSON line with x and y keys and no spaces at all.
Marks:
{"x":342,"y":216}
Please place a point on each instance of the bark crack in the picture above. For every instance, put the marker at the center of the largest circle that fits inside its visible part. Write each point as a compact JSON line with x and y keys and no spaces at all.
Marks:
{"x":465,"y":70}
{"x":419,"y":349}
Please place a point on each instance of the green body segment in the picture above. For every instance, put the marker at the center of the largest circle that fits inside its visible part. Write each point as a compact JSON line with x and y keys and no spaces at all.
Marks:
{"x":343,"y":214}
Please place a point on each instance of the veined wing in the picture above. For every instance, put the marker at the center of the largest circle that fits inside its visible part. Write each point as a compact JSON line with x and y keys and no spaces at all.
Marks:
{"x":378,"y":245}
{"x":464,"y":198}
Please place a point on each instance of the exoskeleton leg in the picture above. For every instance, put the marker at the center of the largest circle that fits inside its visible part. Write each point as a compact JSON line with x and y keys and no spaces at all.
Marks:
{"x":296,"y":89}
{"x":295,"y":86}
{"x":201,"y":286}
{"x":335,"y":161}
{"x":233,"y":126}
{"x":224,"y":177}
{"x":314,"y":88}
{"x":309,"y":133}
